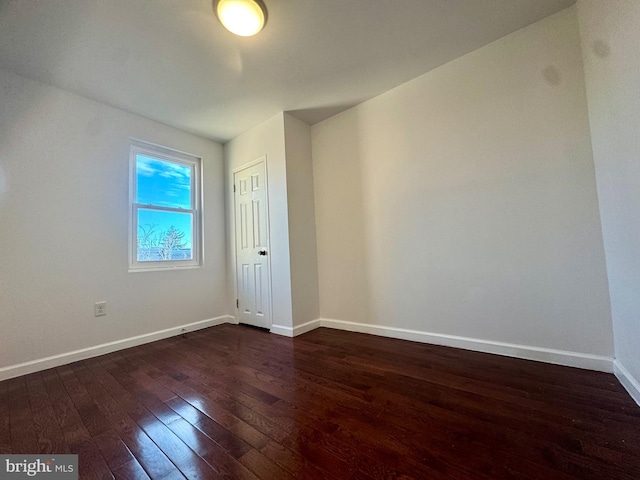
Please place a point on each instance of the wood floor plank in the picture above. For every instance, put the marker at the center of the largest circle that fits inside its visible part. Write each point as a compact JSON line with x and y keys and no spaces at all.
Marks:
{"x":208,"y":400}
{"x":131,"y":471}
{"x":49,"y":434}
{"x":239,"y":403}
{"x":223,"y":436}
{"x":200,"y":399}
{"x":111,"y":446}
{"x":5,"y":421}
{"x":151,"y":458}
{"x":214,"y":454}
{"x":262,"y":466}
{"x":24,"y":437}
{"x":188,"y":461}
{"x":91,"y":463}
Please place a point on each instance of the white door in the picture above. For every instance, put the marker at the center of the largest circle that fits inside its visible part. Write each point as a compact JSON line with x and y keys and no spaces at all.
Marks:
{"x":252,"y":242}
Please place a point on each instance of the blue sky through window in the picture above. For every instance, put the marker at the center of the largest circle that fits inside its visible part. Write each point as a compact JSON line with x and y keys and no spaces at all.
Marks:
{"x":165,"y":184}
{"x":164,"y":220}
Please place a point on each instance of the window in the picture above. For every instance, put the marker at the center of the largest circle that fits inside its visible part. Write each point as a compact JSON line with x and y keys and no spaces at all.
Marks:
{"x":165,"y":226}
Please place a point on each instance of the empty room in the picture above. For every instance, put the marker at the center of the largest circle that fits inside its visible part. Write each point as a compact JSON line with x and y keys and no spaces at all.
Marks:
{"x":304,"y":239}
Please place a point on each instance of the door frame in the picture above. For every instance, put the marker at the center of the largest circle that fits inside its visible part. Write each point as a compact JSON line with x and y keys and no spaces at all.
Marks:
{"x":257,"y":161}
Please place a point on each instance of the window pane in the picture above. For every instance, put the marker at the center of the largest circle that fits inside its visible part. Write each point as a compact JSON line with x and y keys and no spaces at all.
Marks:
{"x":162,"y":183}
{"x":164,"y":236}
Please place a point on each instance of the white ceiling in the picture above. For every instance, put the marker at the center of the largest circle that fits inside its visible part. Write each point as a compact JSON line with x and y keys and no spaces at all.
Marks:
{"x":170,"y":60}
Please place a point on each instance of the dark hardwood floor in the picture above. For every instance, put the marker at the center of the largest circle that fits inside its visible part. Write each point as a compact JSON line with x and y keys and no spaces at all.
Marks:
{"x":235,"y":402}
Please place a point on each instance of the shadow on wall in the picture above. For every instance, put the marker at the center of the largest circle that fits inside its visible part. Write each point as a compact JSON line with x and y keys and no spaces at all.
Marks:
{"x":315,"y":115}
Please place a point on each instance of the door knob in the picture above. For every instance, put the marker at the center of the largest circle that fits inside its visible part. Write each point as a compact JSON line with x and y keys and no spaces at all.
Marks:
{"x":262,"y":252}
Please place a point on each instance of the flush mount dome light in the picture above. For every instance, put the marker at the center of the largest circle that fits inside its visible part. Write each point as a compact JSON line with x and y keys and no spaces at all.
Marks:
{"x":242,"y":17}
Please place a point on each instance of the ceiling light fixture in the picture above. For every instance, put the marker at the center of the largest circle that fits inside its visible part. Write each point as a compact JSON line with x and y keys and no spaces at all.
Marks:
{"x":242,"y":17}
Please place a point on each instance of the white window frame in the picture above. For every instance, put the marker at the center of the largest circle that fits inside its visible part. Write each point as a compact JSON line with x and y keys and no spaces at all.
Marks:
{"x":174,"y":156}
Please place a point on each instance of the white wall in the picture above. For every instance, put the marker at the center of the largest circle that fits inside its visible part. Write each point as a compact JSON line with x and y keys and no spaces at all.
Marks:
{"x":64,"y":183}
{"x":464,"y":202}
{"x":265,"y":139}
{"x":610,"y":33}
{"x":302,"y":222}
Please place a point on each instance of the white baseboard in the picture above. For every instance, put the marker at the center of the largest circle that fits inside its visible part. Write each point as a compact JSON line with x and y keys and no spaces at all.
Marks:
{"x":306,"y":327}
{"x":295,"y":331}
{"x":281,"y":330}
{"x":69,"y":357}
{"x":627,"y":380}
{"x":548,"y":355}
{"x":559,"y":357}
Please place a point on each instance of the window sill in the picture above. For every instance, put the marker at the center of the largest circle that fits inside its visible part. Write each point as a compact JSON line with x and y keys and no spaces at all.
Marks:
{"x":164,"y":269}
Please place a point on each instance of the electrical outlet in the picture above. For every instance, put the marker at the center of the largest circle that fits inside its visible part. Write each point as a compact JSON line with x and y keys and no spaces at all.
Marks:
{"x":100,"y":309}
